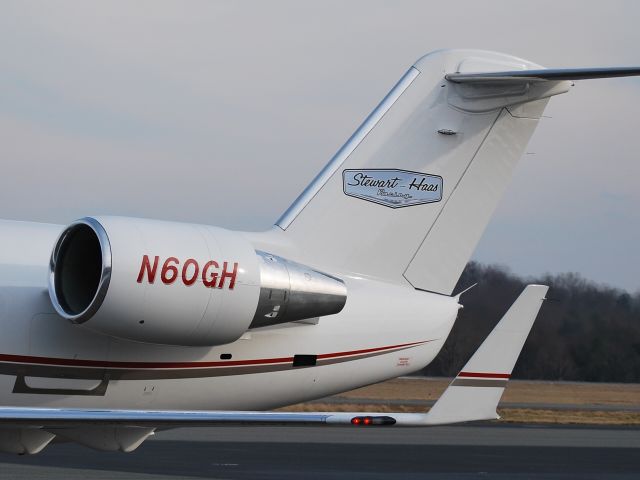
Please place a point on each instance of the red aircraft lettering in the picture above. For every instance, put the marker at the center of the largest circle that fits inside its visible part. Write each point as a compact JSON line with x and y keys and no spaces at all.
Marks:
{"x":210,"y":273}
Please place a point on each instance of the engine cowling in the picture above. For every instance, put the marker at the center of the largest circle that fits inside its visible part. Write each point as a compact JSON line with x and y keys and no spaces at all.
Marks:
{"x":179,"y":284}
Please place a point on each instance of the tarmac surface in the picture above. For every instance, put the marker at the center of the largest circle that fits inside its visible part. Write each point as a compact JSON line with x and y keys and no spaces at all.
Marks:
{"x":453,"y":452}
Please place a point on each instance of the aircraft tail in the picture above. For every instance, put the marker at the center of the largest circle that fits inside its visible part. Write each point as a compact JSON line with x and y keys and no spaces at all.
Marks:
{"x":407,"y":198}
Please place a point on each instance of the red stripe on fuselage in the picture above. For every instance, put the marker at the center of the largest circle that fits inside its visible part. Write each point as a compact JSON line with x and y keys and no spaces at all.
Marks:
{"x":484,"y":375}
{"x":180,"y":365}
{"x":368,"y":350}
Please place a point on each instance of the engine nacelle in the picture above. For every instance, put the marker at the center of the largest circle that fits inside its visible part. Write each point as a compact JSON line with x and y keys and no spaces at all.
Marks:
{"x":179,"y":284}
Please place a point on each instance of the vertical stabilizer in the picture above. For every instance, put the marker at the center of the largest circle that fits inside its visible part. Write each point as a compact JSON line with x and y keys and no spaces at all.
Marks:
{"x":410,"y":193}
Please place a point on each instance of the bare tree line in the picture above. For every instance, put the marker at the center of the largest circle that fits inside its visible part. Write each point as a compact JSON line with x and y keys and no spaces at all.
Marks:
{"x":584,"y":332}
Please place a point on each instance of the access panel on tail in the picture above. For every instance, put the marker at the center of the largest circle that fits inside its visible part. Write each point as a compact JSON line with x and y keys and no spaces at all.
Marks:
{"x":409,"y":195}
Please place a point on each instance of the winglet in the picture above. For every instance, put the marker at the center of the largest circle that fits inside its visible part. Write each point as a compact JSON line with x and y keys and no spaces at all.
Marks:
{"x":474,"y":394}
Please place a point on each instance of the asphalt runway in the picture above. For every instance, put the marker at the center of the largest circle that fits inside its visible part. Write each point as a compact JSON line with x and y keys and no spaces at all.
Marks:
{"x":452,"y":452}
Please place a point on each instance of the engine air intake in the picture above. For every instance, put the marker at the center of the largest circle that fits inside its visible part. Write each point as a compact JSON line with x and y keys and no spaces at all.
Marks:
{"x":80,"y":270}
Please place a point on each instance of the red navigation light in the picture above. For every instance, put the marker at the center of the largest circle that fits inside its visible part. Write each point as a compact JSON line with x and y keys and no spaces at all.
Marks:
{"x":377,"y":420}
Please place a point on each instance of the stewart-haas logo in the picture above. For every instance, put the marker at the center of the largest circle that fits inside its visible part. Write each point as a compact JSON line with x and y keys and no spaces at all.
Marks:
{"x":392,"y":187}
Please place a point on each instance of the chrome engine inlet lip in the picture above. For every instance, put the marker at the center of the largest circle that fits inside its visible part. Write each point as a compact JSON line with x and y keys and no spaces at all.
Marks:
{"x":105,"y":275}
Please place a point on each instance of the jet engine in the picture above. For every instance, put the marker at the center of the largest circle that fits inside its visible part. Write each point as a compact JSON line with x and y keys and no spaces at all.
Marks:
{"x":179,"y":284}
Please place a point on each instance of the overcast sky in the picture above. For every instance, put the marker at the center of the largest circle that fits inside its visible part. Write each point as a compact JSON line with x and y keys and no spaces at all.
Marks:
{"x":222,"y":112}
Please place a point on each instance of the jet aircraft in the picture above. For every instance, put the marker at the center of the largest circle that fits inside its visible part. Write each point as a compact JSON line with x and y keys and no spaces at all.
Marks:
{"x":114,"y":327}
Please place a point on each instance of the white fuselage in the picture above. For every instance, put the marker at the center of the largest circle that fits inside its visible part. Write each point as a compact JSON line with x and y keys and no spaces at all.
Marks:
{"x":384,"y":331}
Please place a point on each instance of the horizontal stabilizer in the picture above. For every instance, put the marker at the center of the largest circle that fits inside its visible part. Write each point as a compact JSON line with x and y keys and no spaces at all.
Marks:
{"x":543,"y":75}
